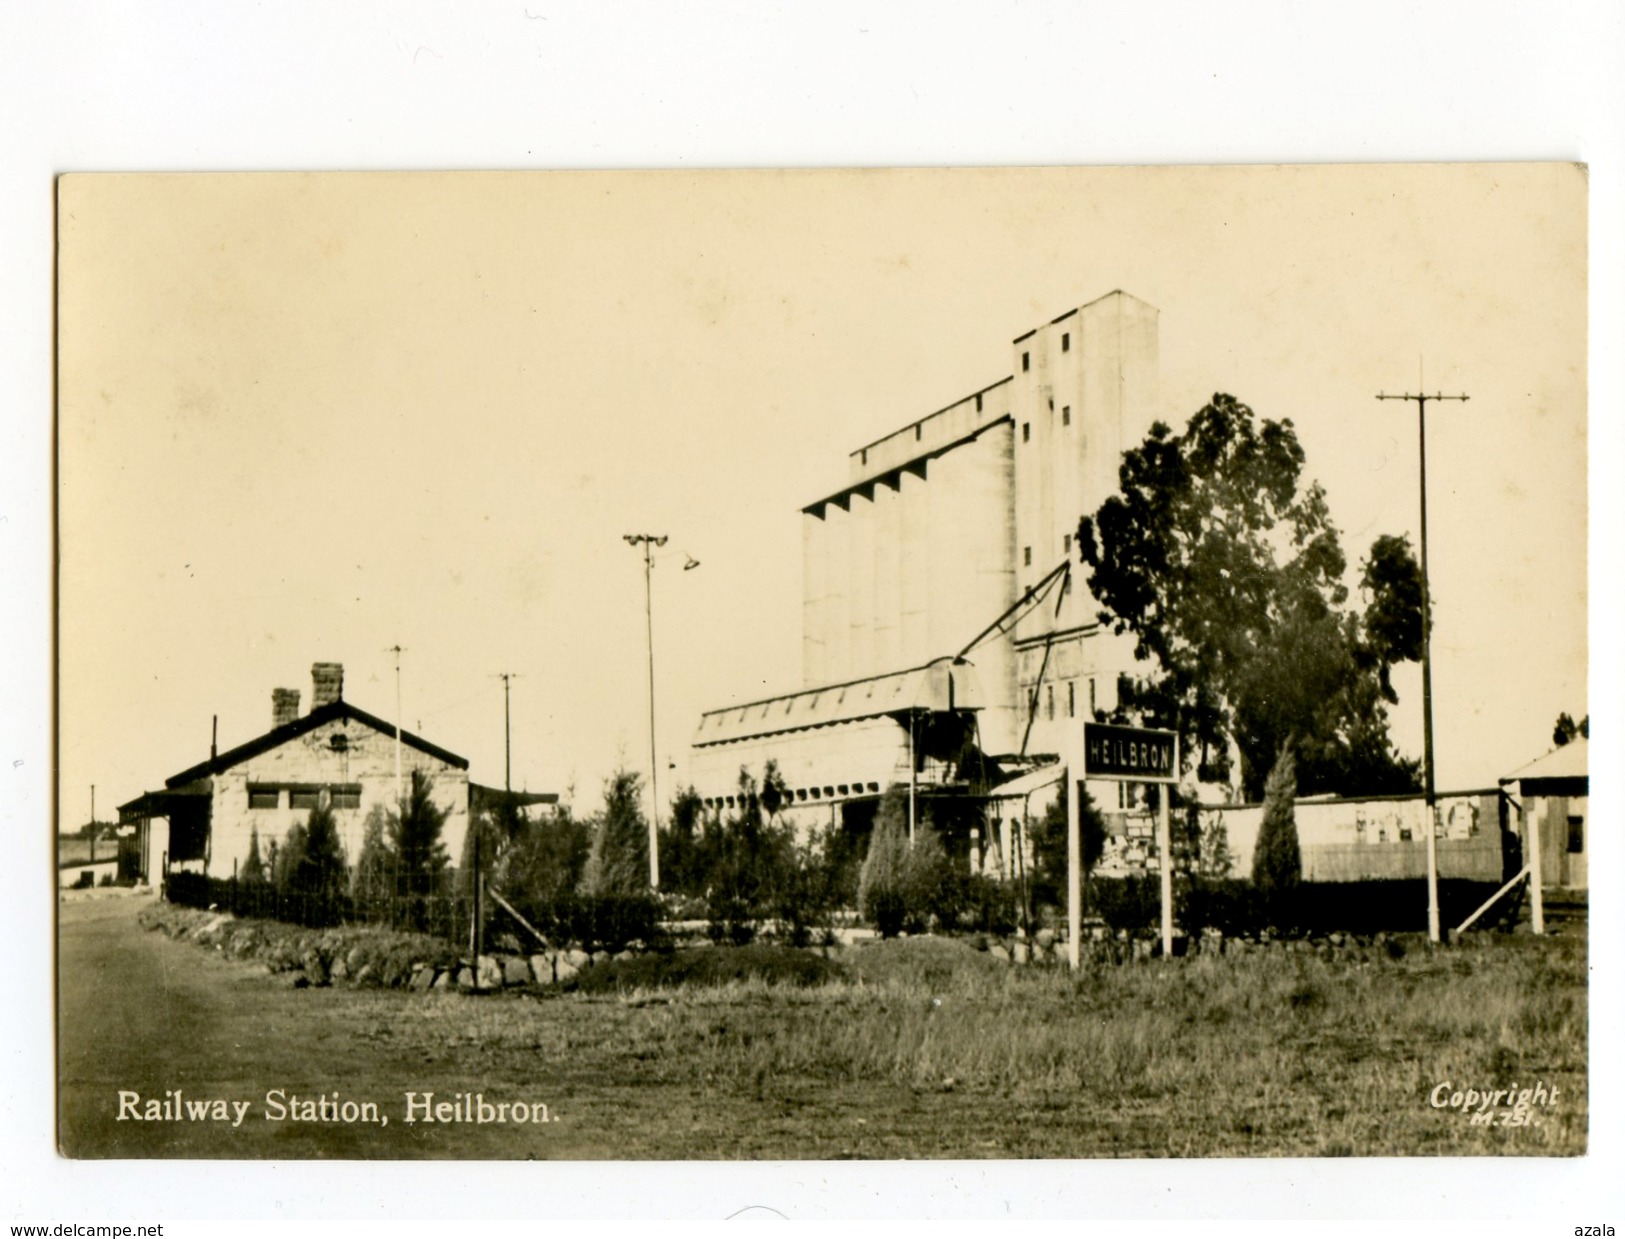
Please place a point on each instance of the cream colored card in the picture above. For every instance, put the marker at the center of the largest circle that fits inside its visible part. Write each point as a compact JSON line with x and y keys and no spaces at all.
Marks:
{"x":520,"y":480}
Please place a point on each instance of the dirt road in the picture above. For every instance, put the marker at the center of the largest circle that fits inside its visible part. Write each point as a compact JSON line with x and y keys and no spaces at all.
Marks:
{"x":142,"y":1017}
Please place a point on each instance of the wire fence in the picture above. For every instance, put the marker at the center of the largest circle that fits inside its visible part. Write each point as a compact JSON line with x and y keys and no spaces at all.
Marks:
{"x":440,"y":912}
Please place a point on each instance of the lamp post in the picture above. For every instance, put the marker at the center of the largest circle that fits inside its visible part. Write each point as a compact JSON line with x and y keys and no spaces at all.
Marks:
{"x":648,"y":541}
{"x":1428,"y":793}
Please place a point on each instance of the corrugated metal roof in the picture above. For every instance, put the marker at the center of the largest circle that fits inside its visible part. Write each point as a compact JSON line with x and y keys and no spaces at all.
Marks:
{"x":945,"y":684}
{"x":1567,"y":761}
{"x":1025,"y":784}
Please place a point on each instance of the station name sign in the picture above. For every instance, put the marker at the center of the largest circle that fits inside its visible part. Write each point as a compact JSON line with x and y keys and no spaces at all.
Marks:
{"x":1138,"y":754}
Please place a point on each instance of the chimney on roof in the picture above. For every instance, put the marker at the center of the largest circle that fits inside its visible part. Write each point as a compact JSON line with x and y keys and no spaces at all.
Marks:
{"x":284,"y":706}
{"x":327,"y":684}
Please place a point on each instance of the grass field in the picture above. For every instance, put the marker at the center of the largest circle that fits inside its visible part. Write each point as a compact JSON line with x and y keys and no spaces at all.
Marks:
{"x":1262,"y":1054}
{"x":927,"y":1048}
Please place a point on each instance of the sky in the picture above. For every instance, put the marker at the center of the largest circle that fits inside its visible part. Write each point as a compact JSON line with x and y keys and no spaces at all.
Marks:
{"x":310,"y":417}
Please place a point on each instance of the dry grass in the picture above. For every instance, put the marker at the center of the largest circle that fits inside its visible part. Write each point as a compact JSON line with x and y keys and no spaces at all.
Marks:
{"x":933,"y":1050}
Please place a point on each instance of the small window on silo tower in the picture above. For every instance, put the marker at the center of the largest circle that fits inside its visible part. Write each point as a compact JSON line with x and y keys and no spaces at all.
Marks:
{"x":1066,"y":415}
{"x":1026,"y":432}
{"x":1026,"y":361}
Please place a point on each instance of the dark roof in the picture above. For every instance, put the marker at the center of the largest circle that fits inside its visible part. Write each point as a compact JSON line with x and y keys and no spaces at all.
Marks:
{"x":291,"y":731}
{"x":480,"y":796}
{"x":160,"y":804}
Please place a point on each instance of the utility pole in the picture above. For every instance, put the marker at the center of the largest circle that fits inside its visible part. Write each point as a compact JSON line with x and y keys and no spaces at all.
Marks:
{"x":507,"y":730}
{"x":648,"y":541}
{"x":1428,"y":790}
{"x":400,"y":804}
{"x":93,"y":823}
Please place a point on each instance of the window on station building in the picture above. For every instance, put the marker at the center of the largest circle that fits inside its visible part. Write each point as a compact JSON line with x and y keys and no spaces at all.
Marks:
{"x":1072,"y":699}
{"x":1049,"y":701}
{"x":303,"y":797}
{"x":347,"y":796}
{"x":1577,"y":835}
{"x":1091,"y":696}
{"x":1066,"y":415}
{"x":263,"y":797}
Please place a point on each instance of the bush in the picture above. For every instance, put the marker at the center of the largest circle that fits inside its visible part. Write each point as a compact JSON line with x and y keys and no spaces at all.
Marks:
{"x":987,"y":905}
{"x":882,"y":893}
{"x":1277,"y":861}
{"x":618,"y":863}
{"x":1130,"y":904}
{"x":1227,"y":905}
{"x":932,"y":889}
{"x":592,"y":922}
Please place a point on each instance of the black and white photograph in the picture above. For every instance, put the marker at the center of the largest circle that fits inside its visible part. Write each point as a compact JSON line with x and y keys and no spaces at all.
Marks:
{"x":873,"y":663}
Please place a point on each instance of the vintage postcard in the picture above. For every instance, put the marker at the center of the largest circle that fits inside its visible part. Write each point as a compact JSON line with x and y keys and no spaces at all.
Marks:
{"x":930,"y":664}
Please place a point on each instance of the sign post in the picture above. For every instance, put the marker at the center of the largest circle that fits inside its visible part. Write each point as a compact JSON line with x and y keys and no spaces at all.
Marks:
{"x":1124,"y":755}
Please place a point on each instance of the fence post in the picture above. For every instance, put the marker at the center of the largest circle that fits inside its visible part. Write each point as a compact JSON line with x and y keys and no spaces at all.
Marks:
{"x":1537,"y":903}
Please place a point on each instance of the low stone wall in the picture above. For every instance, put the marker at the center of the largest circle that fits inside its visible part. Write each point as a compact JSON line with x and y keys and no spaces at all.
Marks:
{"x":1103,"y":947}
{"x":366,"y":956}
{"x":359,"y":955}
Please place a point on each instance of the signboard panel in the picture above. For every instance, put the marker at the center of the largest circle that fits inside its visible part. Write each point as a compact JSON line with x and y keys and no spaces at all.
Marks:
{"x":1134,"y":754}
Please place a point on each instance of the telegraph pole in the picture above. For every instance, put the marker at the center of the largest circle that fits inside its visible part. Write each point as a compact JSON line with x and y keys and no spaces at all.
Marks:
{"x":507,"y":730}
{"x":400,"y":806}
{"x":1428,"y":790}
{"x":648,"y":541}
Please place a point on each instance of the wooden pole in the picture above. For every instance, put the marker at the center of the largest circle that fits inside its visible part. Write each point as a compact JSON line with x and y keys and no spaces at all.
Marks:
{"x":1073,"y":788}
{"x":1165,"y":849}
{"x":1429,"y":795}
{"x":1537,"y":905}
{"x":911,"y":778}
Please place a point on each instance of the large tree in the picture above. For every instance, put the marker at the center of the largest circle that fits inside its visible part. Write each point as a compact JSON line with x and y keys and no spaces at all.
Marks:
{"x":1221,"y":559}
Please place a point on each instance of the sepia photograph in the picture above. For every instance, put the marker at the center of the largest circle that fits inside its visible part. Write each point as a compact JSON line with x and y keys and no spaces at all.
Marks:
{"x":1000,"y":663}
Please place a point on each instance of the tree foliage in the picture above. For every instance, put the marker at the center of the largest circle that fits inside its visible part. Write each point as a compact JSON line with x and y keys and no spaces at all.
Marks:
{"x":373,"y":882}
{"x":1277,"y":861}
{"x":882,"y":891}
{"x":414,"y":839}
{"x":618,"y":863}
{"x":1222,"y":561}
{"x":1565,"y":730}
{"x":253,"y":872}
{"x":289,"y":859}
{"x":747,"y":861}
{"x":1049,"y":846}
{"x":546,"y":858}
{"x":321,"y":871}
